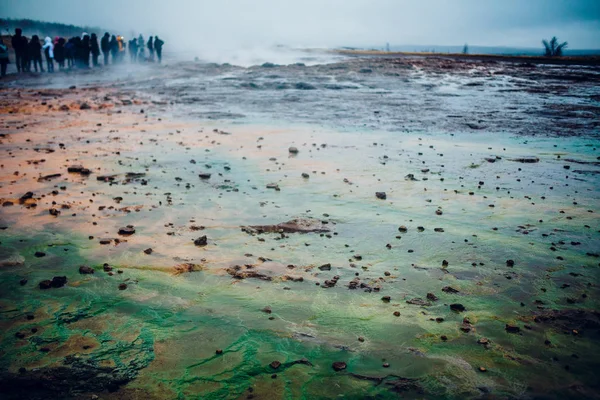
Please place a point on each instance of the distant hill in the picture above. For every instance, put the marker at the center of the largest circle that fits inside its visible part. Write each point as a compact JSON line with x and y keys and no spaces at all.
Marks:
{"x":41,"y":28}
{"x":497,"y":50}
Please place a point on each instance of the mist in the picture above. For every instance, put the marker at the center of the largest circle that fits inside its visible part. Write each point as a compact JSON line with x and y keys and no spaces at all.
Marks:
{"x":240,"y":29}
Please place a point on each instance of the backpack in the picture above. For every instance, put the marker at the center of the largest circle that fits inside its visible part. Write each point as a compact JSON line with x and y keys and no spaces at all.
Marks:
{"x":3,"y":52}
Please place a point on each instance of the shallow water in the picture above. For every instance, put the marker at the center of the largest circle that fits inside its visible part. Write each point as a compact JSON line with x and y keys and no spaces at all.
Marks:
{"x":159,"y":336}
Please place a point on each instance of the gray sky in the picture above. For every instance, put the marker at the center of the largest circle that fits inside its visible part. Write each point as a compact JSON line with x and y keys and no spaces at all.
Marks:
{"x":247,"y":23}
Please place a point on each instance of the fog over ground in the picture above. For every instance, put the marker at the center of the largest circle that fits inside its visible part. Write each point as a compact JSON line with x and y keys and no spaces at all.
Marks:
{"x":243,"y":25}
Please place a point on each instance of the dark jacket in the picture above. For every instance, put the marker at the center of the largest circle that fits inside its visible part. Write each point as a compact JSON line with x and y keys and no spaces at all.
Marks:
{"x":19,"y":43}
{"x":114,"y":45}
{"x":158,"y":44}
{"x":59,"y":50}
{"x":105,"y":43}
{"x":149,"y":44}
{"x":35,"y":48}
{"x":94,"y":45}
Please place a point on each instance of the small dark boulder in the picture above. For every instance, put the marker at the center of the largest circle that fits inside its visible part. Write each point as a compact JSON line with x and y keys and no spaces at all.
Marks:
{"x":325,"y":267}
{"x":127,"y":230}
{"x":338,"y":366}
{"x":58,"y":281}
{"x":84,"y":269}
{"x":457,"y":307}
{"x":510,"y":328}
{"x":275,"y":364}
{"x":201,"y":241}
{"x":381,"y":195}
{"x":47,"y":284}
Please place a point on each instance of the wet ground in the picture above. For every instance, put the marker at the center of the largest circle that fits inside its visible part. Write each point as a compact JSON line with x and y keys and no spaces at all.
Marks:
{"x":442,"y":234}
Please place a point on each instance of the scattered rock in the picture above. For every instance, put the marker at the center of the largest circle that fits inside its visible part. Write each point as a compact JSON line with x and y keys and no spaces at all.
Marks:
{"x":381,"y":195}
{"x":457,"y":307}
{"x":204,"y":175}
{"x":79,"y":169}
{"x":201,"y":241}
{"x":127,"y":230}
{"x":293,"y":150}
{"x":86,"y":270}
{"x":510,"y":328}
{"x":122,"y":286}
{"x":338,"y":366}
{"x":148,"y":251}
{"x":325,"y":267}
{"x":275,"y":364}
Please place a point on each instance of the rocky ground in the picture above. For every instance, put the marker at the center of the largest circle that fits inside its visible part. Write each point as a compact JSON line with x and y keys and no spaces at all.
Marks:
{"x":175,"y":235}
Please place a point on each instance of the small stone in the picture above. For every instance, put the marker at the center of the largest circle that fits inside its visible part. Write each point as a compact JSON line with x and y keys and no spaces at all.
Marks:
{"x":275,"y":364}
{"x":122,"y":286}
{"x":396,"y":313}
{"x":386,"y":365}
{"x":58,"y":281}
{"x":293,"y":150}
{"x":204,"y":175}
{"x":386,"y":299}
{"x":305,"y":175}
{"x":47,"y":284}
{"x":510,"y":328}
{"x":325,"y":267}
{"x":39,"y":254}
{"x":127,"y":230}
{"x":86,"y":270}
{"x":381,"y":195}
{"x":510,"y":263}
{"x":338,"y":366}
{"x":444,"y":338}
{"x":457,"y":307}
{"x":482,"y":369}
{"x":218,"y":351}
{"x":201,"y":241}
{"x":403,"y":229}
{"x":361,"y":339}
{"x":267,"y":310}
{"x":148,"y":251}
{"x":432,"y":297}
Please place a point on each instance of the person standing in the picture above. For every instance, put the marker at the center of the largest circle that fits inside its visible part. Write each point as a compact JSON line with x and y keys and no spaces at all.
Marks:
{"x":59,"y":53}
{"x":141,"y":46}
{"x":19,"y":44}
{"x":4,"y":60}
{"x":158,"y":44}
{"x":70,"y":51}
{"x":105,"y":46}
{"x":114,"y":48}
{"x":35,"y":53}
{"x":48,"y":48}
{"x":95,"y":49}
{"x":150,"y":46}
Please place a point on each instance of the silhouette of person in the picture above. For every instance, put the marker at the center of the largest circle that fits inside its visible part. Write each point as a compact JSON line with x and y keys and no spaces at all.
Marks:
{"x":70,"y":52}
{"x":141,"y":46}
{"x":4,"y":60}
{"x":35,"y":53}
{"x":59,"y":53}
{"x":84,"y":52}
{"x":114,"y":48}
{"x":105,"y":46}
{"x":19,"y":44}
{"x":48,"y":48}
{"x":158,"y":44}
{"x":95,"y":49}
{"x":150,"y":46}
{"x":133,"y":49}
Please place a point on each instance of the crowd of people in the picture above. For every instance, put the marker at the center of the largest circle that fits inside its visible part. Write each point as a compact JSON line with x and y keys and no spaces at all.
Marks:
{"x":77,"y":52}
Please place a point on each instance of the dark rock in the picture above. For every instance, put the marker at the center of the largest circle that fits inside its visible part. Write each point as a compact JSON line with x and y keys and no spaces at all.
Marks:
{"x":204,"y":175}
{"x":403,"y":229}
{"x":47,"y":284}
{"x":85,"y":106}
{"x":40,"y":254}
{"x":305,"y":175}
{"x":325,"y":267}
{"x":79,"y":169}
{"x":122,"y":286}
{"x":449,"y":289}
{"x":396,"y":313}
{"x":293,"y":150}
{"x":127,"y":230}
{"x":54,"y":212}
{"x":86,"y":270}
{"x":386,"y":299}
{"x":512,"y":328}
{"x":510,"y":263}
{"x":526,"y":160}
{"x":338,"y":366}
{"x":457,"y":307}
{"x":432,"y":297}
{"x":201,"y":241}
{"x":23,"y":282}
{"x":381,"y":195}
{"x":25,"y":197}
{"x":148,"y":251}
{"x":58,"y":281}
{"x":275,"y":364}
{"x":267,"y":310}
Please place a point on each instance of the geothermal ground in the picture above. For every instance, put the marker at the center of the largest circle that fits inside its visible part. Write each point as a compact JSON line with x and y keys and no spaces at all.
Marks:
{"x":367,"y":228}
